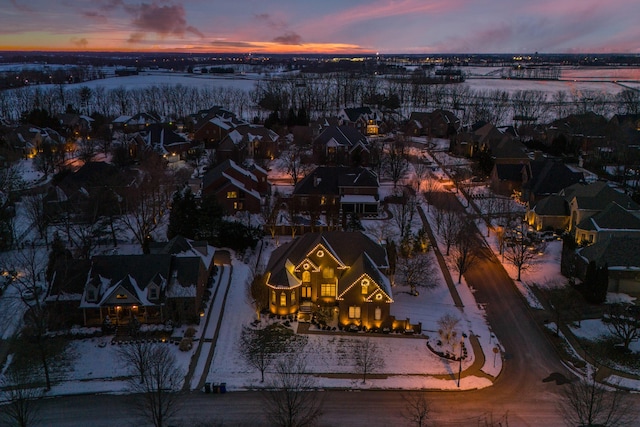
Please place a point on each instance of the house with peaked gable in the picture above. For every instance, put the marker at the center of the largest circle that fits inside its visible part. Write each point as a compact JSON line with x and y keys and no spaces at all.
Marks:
{"x":248,"y":141}
{"x":437,"y":124}
{"x":236,"y":188}
{"x":167,"y":284}
{"x":353,"y":190}
{"x":364,"y":119}
{"x":212,"y":125}
{"x":341,"y":145}
{"x":344,"y":272}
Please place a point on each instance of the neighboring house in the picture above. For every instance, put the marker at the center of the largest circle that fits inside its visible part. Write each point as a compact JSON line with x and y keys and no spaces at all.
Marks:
{"x":344,"y":272}
{"x":236,"y":188}
{"x":135,"y":123}
{"x":341,"y":145}
{"x":248,"y":141}
{"x":542,"y":178}
{"x":31,"y":140}
{"x":575,"y":204}
{"x":162,"y":139}
{"x":153,"y":288}
{"x":76,"y":124}
{"x":584,"y":133}
{"x":436,"y":124}
{"x":622,"y":258}
{"x":100,"y":183}
{"x":506,"y":178}
{"x":613,"y":220}
{"x":354,"y":190}
{"x":212,"y":125}
{"x":364,"y":119}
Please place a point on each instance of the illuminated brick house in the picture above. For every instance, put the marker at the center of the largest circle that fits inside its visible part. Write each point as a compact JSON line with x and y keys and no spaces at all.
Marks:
{"x":342,"y":270}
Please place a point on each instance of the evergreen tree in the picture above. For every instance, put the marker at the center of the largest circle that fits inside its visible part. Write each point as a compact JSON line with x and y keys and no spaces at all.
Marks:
{"x":209,"y":219}
{"x":183,"y":218}
{"x":590,"y":283}
{"x":302,"y":119}
{"x":602,"y":284}
{"x":59,"y":253}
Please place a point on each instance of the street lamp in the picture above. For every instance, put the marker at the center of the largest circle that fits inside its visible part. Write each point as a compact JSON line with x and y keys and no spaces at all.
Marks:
{"x":460,"y":360}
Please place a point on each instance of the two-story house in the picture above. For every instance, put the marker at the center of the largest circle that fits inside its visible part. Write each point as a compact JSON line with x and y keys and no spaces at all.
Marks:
{"x":344,"y":271}
{"x":341,"y":145}
{"x":354,"y":190}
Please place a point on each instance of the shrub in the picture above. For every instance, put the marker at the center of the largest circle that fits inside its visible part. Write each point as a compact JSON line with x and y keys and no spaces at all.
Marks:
{"x":185,"y":344}
{"x":190,"y":332}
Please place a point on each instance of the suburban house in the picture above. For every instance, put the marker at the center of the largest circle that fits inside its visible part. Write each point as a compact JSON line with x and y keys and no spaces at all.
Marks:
{"x":212,"y":125}
{"x":236,"y":188}
{"x":353,"y":190}
{"x":544,"y":177}
{"x":75,"y":124}
{"x":341,"y":145}
{"x":165,"y":141}
{"x":98,"y":184}
{"x":248,"y":141}
{"x":167,"y":284}
{"x":31,"y":140}
{"x":364,"y":119}
{"x":574,"y":205}
{"x":613,"y":220}
{"x":343,"y":273}
{"x":135,"y":123}
{"x":620,"y":254}
{"x":436,"y":124}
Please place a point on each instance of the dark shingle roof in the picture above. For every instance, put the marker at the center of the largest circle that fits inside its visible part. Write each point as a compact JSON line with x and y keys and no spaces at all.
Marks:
{"x":550,"y":177}
{"x":552,"y":206}
{"x":343,"y":135}
{"x":613,"y":217}
{"x":328,"y":180}
{"x":615,"y":251}
{"x":142,"y":268}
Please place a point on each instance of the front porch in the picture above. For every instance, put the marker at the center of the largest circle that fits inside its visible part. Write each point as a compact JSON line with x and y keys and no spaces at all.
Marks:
{"x":123,"y":315}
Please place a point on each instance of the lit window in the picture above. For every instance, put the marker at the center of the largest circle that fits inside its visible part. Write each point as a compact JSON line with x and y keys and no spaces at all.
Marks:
{"x":306,"y":292}
{"x":328,"y":290}
{"x":293,"y":297}
{"x":377,"y":314}
{"x":327,"y":273}
{"x":283,"y":299}
{"x":273,"y":297}
{"x":238,"y":206}
{"x":232,"y":194}
{"x":306,"y":276}
{"x":354,"y":312}
{"x":153,"y":293}
{"x":121,"y":296}
{"x":365,"y":286}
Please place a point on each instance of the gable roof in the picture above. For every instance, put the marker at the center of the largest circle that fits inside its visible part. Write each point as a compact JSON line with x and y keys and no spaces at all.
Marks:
{"x":353,"y":114}
{"x":342,"y":135}
{"x":550,"y":177}
{"x":346,"y":246}
{"x":596,"y":195}
{"x":329,"y":180}
{"x":613,"y":217}
{"x":553,"y":205}
{"x":617,"y":251}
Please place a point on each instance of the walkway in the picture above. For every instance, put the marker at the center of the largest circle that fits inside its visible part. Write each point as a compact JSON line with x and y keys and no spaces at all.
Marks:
{"x":200,"y":365}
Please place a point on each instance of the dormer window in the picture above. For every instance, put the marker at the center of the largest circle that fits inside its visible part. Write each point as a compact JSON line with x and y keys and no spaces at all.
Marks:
{"x":121,"y":296}
{"x":153,"y":292}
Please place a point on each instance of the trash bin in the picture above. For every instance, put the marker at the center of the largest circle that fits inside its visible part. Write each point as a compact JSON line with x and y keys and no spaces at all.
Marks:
{"x":223,"y":387}
{"x":216,"y":388}
{"x":207,"y":387}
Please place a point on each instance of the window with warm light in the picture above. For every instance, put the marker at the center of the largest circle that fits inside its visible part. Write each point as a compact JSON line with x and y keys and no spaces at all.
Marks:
{"x":328,"y":290}
{"x":293,"y":297}
{"x":121,"y":296}
{"x":306,"y":292}
{"x":273,"y":297}
{"x":377,"y":314}
{"x":306,"y":276}
{"x":327,"y":273}
{"x":283,"y":299}
{"x":354,"y":312}
{"x":232,"y":194}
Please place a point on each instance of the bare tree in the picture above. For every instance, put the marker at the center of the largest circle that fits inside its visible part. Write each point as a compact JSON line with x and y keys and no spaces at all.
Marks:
{"x":367,"y":357}
{"x":31,"y":265}
{"x":562,"y":301}
{"x":403,"y":213}
{"x":522,"y":252}
{"x":34,"y":209}
{"x":258,"y":293}
{"x":157,"y":399}
{"x":447,"y":328}
{"x":260,"y":346}
{"x":417,"y":271}
{"x":416,"y":409}
{"x":585,"y":402}
{"x":296,"y":163}
{"x":452,"y":222}
{"x":395,"y":161}
{"x":137,"y":356}
{"x":145,"y":203}
{"x":21,"y":393}
{"x":291,"y":399}
{"x":623,"y":321}
{"x":465,"y":249}
{"x":430,"y":186}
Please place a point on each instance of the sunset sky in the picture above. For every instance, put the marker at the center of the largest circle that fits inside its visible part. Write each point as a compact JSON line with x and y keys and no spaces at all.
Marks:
{"x":323,"y":26}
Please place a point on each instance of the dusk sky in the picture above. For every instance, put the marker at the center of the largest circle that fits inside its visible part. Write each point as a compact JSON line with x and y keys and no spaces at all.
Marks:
{"x":323,"y":26}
